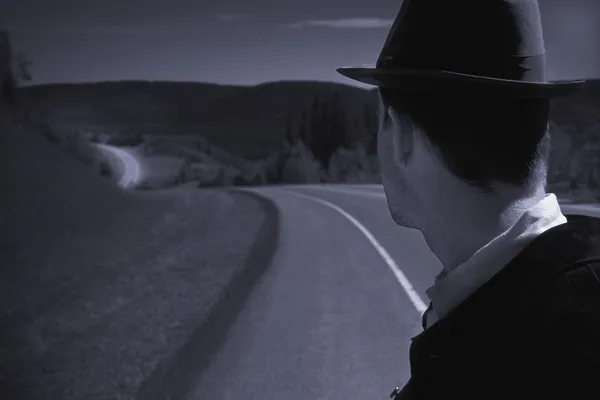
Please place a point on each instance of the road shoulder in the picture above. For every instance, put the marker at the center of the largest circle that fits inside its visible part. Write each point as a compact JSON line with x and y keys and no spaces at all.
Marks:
{"x":96,"y":314}
{"x":177,"y":374}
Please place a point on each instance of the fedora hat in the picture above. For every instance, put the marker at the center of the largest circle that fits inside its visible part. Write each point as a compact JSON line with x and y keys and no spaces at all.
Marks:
{"x":472,"y":47}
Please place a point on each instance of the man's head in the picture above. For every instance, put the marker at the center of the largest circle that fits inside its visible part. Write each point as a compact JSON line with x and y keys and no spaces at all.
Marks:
{"x":466,"y":145}
{"x":430,"y":145}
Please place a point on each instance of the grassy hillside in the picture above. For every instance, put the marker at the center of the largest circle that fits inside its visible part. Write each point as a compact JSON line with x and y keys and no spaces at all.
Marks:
{"x":247,"y":120}
{"x":99,"y":286}
{"x":222,"y":122}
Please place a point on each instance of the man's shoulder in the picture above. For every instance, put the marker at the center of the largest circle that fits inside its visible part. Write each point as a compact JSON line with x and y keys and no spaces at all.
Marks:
{"x":554,"y":254}
{"x":558,"y":326}
{"x":556,"y":260}
{"x":557,"y":312}
{"x":553,"y":283}
{"x":574,"y":239}
{"x":533,"y":329}
{"x":558,"y":274}
{"x":564,"y":305}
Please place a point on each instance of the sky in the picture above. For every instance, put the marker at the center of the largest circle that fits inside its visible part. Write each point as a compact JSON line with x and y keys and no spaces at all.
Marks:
{"x":244,"y":41}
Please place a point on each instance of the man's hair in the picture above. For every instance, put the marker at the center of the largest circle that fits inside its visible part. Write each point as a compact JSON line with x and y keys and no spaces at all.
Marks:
{"x":482,"y":141}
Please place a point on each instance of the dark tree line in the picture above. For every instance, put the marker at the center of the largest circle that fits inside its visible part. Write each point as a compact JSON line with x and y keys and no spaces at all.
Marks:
{"x":370,"y":127}
{"x":324,"y":127}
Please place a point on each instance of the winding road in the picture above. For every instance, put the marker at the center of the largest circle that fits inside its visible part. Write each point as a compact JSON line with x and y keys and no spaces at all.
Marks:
{"x":124,"y":163}
{"x":333,"y":316}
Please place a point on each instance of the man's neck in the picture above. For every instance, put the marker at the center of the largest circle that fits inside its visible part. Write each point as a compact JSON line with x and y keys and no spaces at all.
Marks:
{"x":471,"y":220}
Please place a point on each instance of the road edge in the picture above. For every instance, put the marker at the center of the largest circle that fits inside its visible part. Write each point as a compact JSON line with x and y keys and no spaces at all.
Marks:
{"x":175,"y":377}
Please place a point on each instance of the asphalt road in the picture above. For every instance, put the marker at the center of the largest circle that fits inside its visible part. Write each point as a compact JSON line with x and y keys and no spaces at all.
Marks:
{"x":124,"y":162}
{"x":333,"y":316}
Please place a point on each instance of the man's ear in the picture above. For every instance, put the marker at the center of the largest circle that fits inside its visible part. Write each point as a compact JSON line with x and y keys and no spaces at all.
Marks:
{"x":403,"y":138}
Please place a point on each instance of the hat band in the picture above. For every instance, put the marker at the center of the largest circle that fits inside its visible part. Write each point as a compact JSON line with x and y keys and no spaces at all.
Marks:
{"x":530,"y":69}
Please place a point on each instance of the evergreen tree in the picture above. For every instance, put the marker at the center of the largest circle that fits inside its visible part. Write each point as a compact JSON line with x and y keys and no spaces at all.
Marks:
{"x":357,"y":128}
{"x":330,"y":129}
{"x":320,"y":122}
{"x":290,"y":133}
{"x":314,"y":123}
{"x":370,"y":126}
{"x":303,"y":129}
{"x":338,"y":129}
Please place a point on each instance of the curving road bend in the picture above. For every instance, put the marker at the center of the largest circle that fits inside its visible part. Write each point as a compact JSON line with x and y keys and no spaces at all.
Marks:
{"x":333,"y":316}
{"x":124,"y":161}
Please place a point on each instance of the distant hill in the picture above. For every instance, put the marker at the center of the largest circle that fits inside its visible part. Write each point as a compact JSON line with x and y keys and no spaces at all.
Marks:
{"x":247,"y":120}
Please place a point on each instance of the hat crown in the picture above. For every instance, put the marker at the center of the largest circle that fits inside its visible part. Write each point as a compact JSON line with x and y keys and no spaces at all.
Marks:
{"x":494,"y":38}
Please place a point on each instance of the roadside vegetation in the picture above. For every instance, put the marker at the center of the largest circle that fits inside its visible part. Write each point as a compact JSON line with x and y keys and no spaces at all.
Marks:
{"x":100,"y":288}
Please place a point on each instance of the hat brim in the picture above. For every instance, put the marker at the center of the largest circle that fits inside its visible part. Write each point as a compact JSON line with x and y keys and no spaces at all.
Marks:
{"x":458,"y":83}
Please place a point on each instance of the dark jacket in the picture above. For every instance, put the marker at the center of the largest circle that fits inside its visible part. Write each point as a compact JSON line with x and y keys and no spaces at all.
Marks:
{"x":531,"y":332}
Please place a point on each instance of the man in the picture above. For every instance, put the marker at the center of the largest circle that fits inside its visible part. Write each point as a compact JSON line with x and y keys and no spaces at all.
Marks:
{"x":463,"y":146}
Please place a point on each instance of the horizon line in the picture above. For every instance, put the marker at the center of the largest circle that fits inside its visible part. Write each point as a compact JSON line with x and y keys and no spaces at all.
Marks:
{"x":91,"y":82}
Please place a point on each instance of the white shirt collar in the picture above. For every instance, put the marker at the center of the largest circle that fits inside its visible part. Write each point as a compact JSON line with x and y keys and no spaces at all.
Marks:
{"x":456,"y":286}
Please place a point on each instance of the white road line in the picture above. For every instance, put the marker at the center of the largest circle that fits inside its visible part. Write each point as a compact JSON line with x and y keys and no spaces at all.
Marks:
{"x":366,"y":193}
{"x":414,"y":297}
{"x":371,"y":187}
